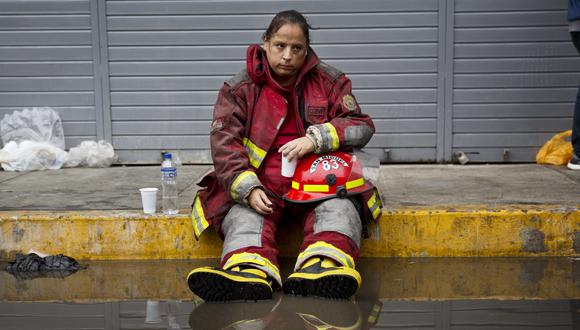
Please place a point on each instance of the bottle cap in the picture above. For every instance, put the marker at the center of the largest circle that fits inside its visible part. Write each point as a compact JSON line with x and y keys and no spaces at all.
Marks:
{"x":167,"y":155}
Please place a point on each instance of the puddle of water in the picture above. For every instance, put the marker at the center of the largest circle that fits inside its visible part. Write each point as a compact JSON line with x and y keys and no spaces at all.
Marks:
{"x":287,"y":312}
{"x":429,"y":293}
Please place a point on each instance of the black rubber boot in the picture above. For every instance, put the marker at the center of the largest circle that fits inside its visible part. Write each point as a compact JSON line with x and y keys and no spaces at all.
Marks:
{"x":216,"y":284}
{"x":321,"y":277}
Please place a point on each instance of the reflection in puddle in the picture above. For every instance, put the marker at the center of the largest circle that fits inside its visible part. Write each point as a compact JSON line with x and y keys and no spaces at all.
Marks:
{"x":286,"y":312}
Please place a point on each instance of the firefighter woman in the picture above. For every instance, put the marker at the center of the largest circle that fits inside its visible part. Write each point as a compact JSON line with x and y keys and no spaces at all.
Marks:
{"x":285,"y":102}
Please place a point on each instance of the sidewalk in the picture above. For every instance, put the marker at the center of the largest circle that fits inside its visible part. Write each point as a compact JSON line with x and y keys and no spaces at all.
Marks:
{"x":429,"y":210}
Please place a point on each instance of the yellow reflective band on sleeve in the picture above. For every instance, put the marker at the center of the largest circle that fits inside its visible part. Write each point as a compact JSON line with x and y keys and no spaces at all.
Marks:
{"x":239,"y":179}
{"x":295,"y":185}
{"x":256,"y":154}
{"x":355,"y":183}
{"x":333,"y":136}
{"x":316,"y":188}
{"x":198,"y":217}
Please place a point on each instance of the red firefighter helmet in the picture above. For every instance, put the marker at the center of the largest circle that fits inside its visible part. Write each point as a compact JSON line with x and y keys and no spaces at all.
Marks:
{"x":324,"y":176}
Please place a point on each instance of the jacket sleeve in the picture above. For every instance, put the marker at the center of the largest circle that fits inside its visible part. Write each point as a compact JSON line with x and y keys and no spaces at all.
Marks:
{"x":348,"y":127}
{"x":228,"y":152}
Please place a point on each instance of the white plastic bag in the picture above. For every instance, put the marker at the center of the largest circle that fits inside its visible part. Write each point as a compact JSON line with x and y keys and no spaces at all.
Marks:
{"x":34,"y":140}
{"x":36,"y":124}
{"x":31,"y":156}
{"x":91,"y":154}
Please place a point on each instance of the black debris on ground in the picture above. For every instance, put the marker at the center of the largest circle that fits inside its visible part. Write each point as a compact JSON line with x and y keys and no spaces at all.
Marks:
{"x":31,"y":266}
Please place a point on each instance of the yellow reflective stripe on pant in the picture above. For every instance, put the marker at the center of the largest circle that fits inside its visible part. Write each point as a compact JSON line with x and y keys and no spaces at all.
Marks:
{"x":374,"y":205}
{"x":327,"y":250}
{"x":198,"y":217}
{"x":255,"y":260}
{"x":256,"y":154}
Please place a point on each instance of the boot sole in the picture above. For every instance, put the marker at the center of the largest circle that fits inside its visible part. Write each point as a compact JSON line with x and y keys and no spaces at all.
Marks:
{"x":331,"y":286}
{"x":215,"y":287}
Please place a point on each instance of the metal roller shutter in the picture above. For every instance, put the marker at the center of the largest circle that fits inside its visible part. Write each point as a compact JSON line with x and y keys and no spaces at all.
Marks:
{"x":516,"y":75}
{"x":47,"y":59}
{"x":169,"y":58}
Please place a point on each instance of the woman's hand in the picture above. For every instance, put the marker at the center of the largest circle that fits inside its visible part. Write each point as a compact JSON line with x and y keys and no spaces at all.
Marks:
{"x":297,"y":148}
{"x":259,"y":201}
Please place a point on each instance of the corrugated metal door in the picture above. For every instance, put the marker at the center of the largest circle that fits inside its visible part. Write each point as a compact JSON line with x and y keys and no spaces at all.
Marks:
{"x":494,"y":79}
{"x":47,"y":59}
{"x":169,"y":58}
{"x":515,"y":79}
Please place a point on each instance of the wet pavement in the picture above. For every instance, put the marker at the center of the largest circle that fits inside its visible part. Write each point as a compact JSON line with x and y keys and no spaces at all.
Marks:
{"x":410,"y":293}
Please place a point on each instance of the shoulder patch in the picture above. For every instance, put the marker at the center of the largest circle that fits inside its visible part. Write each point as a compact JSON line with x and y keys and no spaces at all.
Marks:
{"x":329,"y":70}
{"x":349,"y":102}
{"x":238,"y":78}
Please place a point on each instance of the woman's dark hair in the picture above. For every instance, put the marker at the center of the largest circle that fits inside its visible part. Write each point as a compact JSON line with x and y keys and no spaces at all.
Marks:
{"x":285,"y":17}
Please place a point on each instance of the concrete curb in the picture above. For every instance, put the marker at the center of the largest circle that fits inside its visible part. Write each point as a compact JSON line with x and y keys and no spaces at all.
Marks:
{"x":509,"y":230}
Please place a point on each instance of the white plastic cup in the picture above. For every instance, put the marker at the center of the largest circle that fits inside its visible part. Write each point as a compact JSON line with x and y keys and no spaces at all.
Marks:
{"x":149,"y":199}
{"x":152,"y":313}
{"x":288,"y":167}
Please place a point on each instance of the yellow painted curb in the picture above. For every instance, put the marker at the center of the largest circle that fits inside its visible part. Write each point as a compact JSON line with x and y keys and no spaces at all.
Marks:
{"x":104,"y":235}
{"x":404,"y":232}
{"x":476,"y":231}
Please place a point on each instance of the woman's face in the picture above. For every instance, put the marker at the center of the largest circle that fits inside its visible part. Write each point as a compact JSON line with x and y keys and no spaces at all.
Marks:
{"x":286,"y":52}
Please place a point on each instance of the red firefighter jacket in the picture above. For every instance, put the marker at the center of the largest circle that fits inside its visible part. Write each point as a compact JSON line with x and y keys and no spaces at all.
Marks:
{"x":249,"y":111}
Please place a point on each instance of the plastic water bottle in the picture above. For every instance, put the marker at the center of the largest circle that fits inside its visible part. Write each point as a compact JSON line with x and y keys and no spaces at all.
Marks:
{"x":169,"y":185}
